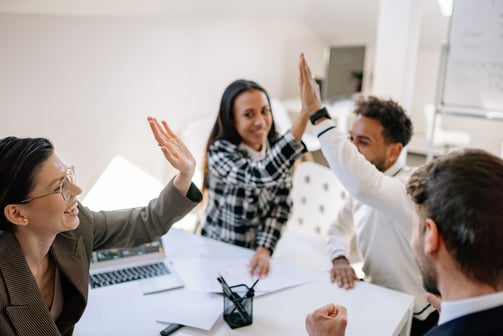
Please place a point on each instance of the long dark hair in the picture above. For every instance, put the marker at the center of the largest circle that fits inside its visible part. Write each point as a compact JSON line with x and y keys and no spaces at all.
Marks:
{"x":20,"y":160}
{"x":224,"y":127}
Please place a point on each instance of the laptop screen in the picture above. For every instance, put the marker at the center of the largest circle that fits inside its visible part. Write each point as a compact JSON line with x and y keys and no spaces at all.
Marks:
{"x":120,"y":253}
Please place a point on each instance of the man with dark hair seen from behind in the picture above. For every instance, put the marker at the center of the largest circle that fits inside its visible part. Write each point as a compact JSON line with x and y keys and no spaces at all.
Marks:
{"x":458,"y":239}
{"x":458,"y":242}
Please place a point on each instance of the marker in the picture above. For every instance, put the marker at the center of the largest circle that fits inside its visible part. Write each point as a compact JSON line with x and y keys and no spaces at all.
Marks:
{"x":171,"y":328}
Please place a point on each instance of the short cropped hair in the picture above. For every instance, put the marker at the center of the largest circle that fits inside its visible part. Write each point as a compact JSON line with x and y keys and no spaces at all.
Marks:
{"x":463,"y":193}
{"x":397,"y":127}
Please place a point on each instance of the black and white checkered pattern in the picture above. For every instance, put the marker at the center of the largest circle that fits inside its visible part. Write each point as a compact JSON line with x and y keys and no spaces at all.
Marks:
{"x":248,"y":201}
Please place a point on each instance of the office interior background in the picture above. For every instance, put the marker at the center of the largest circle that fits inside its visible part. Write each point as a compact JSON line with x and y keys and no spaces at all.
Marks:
{"x":86,"y":74}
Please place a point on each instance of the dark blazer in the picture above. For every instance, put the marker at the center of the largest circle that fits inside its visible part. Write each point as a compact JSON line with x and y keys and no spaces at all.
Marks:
{"x":483,"y":323}
{"x":22,"y":309}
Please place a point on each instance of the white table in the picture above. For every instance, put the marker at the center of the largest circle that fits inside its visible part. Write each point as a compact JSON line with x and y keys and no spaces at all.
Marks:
{"x":372,"y":310}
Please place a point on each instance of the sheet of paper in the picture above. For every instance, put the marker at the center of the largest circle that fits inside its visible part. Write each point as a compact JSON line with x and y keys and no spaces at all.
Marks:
{"x":201,"y":272}
{"x":118,"y":310}
{"x":124,"y":310}
{"x":191,"y":308}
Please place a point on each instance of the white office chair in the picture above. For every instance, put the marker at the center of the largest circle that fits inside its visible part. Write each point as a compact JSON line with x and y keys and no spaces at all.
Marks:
{"x":442,"y":138}
{"x":317,"y":197}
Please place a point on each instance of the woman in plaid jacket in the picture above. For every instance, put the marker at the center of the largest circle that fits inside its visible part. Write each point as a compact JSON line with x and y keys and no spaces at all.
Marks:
{"x":247,"y":173}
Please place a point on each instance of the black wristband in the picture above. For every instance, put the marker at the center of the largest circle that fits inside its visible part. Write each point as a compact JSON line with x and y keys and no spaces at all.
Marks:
{"x":322,"y":112}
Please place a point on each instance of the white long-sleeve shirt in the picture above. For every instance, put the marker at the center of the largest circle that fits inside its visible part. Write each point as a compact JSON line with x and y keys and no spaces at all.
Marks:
{"x":380,"y":214}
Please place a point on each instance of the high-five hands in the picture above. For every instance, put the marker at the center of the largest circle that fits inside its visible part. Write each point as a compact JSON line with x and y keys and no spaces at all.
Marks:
{"x":309,"y":89}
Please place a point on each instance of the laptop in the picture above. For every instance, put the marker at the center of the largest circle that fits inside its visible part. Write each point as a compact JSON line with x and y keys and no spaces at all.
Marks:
{"x":146,"y":264}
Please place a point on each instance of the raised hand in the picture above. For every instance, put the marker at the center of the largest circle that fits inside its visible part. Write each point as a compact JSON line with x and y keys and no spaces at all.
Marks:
{"x":309,"y":89}
{"x":175,"y":152}
{"x":310,"y":97}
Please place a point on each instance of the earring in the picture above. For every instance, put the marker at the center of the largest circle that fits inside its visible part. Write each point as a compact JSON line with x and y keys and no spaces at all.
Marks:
{"x":25,"y":220}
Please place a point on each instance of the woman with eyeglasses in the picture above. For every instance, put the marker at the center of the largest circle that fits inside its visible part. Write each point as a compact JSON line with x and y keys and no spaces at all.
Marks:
{"x":47,"y":236}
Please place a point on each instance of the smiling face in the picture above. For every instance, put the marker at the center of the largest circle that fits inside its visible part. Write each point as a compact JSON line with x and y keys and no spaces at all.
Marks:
{"x":366,"y":135}
{"x":51,"y":214}
{"x":253,"y":118}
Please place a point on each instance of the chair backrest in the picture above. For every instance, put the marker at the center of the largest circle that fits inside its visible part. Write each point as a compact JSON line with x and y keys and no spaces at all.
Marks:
{"x":317,"y":197}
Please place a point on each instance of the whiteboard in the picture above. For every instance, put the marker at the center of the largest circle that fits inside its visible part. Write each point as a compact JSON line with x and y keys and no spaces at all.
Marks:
{"x":474,"y":62}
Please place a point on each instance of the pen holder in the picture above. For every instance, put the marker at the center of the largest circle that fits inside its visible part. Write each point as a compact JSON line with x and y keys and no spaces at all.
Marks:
{"x":238,"y":309}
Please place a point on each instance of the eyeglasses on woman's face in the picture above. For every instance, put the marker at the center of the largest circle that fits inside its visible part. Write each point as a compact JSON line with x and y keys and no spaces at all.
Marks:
{"x":64,"y":188}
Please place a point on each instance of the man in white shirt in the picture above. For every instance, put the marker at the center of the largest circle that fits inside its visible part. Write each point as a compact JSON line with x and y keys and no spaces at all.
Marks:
{"x":458,"y":242}
{"x":379,"y":212}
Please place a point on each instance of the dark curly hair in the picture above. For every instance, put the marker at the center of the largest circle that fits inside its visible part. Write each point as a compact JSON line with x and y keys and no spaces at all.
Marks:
{"x":397,"y":126}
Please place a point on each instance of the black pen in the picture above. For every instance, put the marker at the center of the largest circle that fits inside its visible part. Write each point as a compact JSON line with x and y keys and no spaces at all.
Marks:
{"x":227,"y":290}
{"x":249,"y":292}
{"x":171,"y":328}
{"x":251,"y":288}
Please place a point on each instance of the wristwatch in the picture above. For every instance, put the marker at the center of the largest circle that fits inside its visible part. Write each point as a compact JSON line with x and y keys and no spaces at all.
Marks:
{"x":322,"y":112}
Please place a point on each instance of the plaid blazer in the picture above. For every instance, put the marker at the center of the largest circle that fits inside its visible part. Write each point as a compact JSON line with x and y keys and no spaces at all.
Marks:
{"x":248,"y":201}
{"x":22,"y":309}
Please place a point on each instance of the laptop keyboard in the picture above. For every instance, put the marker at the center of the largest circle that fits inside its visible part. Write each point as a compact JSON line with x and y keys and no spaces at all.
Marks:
{"x":127,"y":274}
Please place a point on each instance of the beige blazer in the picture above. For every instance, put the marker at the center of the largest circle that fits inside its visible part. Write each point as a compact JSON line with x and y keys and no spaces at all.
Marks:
{"x":22,"y":309}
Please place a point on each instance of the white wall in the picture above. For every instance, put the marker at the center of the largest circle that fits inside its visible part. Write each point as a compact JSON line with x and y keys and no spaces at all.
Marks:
{"x":89,"y":83}
{"x":425,"y":84}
